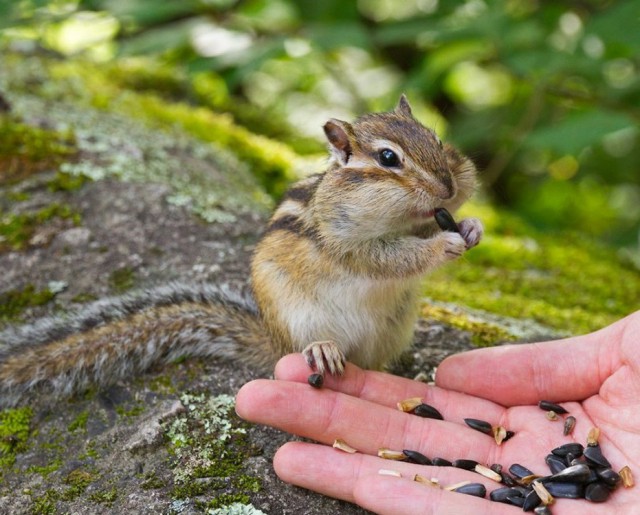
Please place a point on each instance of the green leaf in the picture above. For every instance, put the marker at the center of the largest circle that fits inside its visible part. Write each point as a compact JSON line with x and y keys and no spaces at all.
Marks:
{"x":578,"y":131}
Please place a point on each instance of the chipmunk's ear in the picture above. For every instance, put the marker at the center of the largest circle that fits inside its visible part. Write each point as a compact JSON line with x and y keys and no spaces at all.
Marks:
{"x":340,"y":135}
{"x":403,"y":107}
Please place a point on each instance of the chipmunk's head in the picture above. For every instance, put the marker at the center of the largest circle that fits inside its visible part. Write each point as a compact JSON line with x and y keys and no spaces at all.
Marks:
{"x":395,"y":171}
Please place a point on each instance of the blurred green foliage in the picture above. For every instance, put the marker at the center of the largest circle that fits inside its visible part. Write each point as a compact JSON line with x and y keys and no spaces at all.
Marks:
{"x":544,"y":96}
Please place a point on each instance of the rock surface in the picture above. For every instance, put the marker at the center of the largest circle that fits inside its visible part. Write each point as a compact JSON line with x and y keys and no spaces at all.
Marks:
{"x":144,"y":445}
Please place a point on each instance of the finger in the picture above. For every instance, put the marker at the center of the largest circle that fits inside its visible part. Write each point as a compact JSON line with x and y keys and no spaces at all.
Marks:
{"x":388,"y":390}
{"x":324,"y":415}
{"x":356,"y":478}
{"x":562,"y":370}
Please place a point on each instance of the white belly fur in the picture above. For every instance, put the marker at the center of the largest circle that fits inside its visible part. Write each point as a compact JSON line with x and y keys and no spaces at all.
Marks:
{"x":359,"y":315}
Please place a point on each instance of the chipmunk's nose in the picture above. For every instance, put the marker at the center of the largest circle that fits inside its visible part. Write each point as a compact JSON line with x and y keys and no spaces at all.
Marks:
{"x":444,"y":188}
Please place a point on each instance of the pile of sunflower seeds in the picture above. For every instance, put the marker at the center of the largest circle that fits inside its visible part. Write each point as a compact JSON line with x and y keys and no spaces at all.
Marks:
{"x":576,"y":471}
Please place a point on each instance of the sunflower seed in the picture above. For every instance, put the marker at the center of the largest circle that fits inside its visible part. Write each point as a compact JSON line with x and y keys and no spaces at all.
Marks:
{"x":569,"y":448}
{"x":445,"y":221}
{"x":475,"y":489}
{"x":465,"y":464}
{"x":593,"y":453}
{"x":519,"y":471}
{"x":416,"y":457}
{"x":608,"y":476}
{"x":389,"y":454}
{"x":593,"y":436}
{"x":502,"y":494}
{"x":451,"y":488}
{"x":551,"y":406}
{"x":542,"y":510}
{"x":441,"y":462}
{"x":531,"y":500}
{"x":410,"y":404}
{"x":575,"y":474}
{"x":566,"y":490}
{"x":569,"y":424}
{"x":488,"y":473}
{"x":627,"y":477}
{"x":316,"y":380}
{"x":425,"y":481}
{"x":426,"y":411}
{"x":479,"y":425}
{"x":545,"y":497}
{"x":597,"y":492}
{"x":340,"y":444}
{"x":556,"y":463}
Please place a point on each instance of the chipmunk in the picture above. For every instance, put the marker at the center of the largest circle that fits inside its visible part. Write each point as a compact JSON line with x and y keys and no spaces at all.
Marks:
{"x":335,"y":276}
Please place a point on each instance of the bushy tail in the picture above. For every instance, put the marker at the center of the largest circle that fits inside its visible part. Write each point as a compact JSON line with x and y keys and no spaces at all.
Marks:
{"x":118,"y":337}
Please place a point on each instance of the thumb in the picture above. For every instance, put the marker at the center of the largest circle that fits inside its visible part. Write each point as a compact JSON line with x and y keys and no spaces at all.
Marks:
{"x":563,"y":370}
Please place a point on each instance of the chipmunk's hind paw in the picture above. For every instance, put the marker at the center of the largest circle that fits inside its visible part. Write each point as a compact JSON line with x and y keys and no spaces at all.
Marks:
{"x":323,"y":356}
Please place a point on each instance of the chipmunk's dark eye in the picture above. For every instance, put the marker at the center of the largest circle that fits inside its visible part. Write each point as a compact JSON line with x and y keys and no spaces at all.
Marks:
{"x":388,"y":157}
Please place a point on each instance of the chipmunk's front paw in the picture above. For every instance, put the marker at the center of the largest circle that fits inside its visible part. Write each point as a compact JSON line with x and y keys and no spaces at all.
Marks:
{"x":471,"y":230}
{"x":325,"y":355}
{"x":454,"y":245}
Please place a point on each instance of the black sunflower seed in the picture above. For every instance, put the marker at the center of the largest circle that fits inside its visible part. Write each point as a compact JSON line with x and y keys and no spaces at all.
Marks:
{"x":519,"y":471}
{"x":426,"y":411}
{"x":556,"y":463}
{"x":608,"y":476}
{"x":516,"y":501}
{"x":542,"y":510}
{"x":465,"y":464}
{"x":416,"y":457}
{"x":502,"y":494}
{"x":550,"y":406}
{"x":531,"y":501}
{"x":315,"y":380}
{"x":597,"y":492}
{"x":566,"y":490}
{"x":575,"y":474}
{"x":573,"y":448}
{"x":441,"y":462}
{"x":445,"y":221}
{"x":479,"y":425}
{"x":475,"y":489}
{"x":593,"y":453}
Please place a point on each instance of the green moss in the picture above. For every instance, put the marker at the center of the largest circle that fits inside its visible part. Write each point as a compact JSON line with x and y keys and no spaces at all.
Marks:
{"x":272,"y":162}
{"x":46,"y":503}
{"x":152,"y":482}
{"x":78,"y":481}
{"x":25,"y":150}
{"x":130,"y":412}
{"x":14,"y":302}
{"x":106,"y":497}
{"x":482,"y":333}
{"x":122,"y":279}
{"x":224,"y":500}
{"x":14,"y":432}
{"x":80,"y":422}
{"x":66,"y":182}
{"x":45,"y":470}
{"x":90,"y":451}
{"x":16,"y":230}
{"x":563,"y":281}
{"x":210,"y":446}
{"x":84,"y":297}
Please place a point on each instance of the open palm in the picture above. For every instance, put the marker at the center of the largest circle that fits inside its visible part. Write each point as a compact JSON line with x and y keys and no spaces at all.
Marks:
{"x":596,"y":377}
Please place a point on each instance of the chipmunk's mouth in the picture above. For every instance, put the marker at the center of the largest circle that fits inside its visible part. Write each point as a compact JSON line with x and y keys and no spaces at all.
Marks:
{"x":423,"y":215}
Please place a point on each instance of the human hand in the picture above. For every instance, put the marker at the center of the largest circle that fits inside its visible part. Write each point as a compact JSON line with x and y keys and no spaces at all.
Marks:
{"x":596,"y":377}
